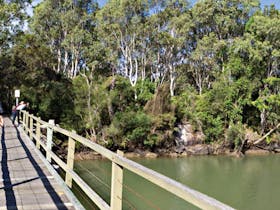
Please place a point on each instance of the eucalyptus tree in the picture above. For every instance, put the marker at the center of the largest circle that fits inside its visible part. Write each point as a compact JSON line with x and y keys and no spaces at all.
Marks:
{"x":13,"y":17}
{"x":66,"y":28}
{"x":90,"y":96}
{"x":216,"y":25}
{"x":170,"y":25}
{"x":264,"y":49}
{"x":46,"y":26}
{"x":121,"y":25}
{"x":145,"y":38}
{"x":12,"y":22}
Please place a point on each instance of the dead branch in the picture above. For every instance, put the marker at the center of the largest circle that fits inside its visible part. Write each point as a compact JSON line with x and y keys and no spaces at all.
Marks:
{"x":266,"y":135}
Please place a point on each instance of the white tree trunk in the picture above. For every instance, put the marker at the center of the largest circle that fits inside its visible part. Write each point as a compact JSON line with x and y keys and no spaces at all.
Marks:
{"x":263,"y":120}
{"x":58,"y":60}
{"x":65,"y":62}
{"x":172,"y":80}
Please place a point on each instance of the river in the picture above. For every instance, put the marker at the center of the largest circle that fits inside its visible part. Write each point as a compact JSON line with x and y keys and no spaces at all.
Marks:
{"x":252,"y":182}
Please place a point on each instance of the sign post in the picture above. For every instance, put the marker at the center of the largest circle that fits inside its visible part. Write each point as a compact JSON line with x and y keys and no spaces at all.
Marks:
{"x":17,"y":95}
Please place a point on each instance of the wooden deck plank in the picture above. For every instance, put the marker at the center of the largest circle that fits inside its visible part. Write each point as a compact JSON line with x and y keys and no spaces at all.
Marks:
{"x":25,"y":181}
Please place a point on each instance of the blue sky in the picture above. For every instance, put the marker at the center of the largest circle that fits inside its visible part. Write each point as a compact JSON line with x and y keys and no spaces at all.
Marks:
{"x":263,"y":2}
{"x":269,"y":2}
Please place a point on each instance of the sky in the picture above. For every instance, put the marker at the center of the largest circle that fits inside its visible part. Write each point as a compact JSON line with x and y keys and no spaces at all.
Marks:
{"x":263,"y":2}
{"x":103,"y":2}
{"x":269,"y":2}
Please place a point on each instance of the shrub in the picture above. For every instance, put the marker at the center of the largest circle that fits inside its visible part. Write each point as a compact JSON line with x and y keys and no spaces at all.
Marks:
{"x":162,"y":130}
{"x":235,"y":134}
{"x":129,"y":128}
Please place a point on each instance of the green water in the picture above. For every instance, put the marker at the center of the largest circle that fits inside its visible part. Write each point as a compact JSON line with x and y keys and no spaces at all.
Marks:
{"x":244,"y":183}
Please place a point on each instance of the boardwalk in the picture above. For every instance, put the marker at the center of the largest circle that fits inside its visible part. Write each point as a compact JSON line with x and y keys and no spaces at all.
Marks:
{"x":25,"y":181}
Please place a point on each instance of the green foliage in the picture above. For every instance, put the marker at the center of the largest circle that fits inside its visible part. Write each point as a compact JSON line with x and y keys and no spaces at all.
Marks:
{"x":125,"y":74}
{"x":161,"y":133}
{"x":129,"y":128}
{"x":145,"y":90}
{"x":268,"y":103}
{"x":123,"y":94}
{"x":223,"y":104}
{"x":235,"y":134}
{"x":212,"y":126}
{"x":51,"y":99}
{"x":12,"y":17}
{"x":108,"y":111}
{"x":185,"y":104}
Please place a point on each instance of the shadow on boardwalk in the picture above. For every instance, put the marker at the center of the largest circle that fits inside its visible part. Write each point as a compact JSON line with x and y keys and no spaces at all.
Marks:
{"x":12,"y":198}
{"x":9,"y":193}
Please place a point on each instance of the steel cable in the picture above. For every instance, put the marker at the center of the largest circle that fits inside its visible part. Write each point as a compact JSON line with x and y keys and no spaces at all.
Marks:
{"x":140,"y":196}
{"x":105,"y":184}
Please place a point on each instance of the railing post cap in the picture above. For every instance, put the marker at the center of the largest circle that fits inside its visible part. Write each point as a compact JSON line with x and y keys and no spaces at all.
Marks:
{"x":119,"y":152}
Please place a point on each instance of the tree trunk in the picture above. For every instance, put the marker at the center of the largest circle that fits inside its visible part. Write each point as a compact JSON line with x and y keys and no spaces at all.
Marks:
{"x":172,"y":80}
{"x":65,"y":62}
{"x":58,"y":60}
{"x":267,"y":134}
{"x":76,"y":67}
{"x":263,"y":121}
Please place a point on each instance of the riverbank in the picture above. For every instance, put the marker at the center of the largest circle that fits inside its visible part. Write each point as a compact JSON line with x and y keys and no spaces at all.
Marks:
{"x":194,"y":150}
{"x":190,"y":143}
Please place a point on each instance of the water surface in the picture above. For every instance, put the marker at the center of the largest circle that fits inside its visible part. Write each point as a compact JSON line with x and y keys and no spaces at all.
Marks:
{"x":251,"y":182}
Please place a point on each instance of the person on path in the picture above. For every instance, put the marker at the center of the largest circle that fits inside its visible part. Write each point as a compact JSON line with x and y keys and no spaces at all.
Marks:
{"x":15,"y":112}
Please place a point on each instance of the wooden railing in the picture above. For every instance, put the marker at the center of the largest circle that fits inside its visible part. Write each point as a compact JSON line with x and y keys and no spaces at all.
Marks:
{"x":33,"y":125}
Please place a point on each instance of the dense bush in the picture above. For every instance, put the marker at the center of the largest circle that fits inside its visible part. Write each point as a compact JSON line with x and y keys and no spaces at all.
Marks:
{"x":129,"y":129}
{"x":235,"y":134}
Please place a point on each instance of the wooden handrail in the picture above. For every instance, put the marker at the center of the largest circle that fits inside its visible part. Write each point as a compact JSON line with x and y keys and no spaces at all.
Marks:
{"x":118,"y":163}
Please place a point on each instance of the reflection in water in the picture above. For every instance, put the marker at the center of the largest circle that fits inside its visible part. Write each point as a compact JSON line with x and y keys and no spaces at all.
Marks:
{"x":243,"y":183}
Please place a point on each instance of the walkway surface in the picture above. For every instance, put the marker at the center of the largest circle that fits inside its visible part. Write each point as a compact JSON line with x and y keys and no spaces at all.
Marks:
{"x":25,"y":182}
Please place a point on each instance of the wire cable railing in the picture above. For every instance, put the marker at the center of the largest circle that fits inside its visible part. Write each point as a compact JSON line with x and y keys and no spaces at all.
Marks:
{"x":33,"y":125}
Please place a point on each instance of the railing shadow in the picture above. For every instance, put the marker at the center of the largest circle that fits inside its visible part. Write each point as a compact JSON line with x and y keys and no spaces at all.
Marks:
{"x":11,"y":202}
{"x":55,"y":197}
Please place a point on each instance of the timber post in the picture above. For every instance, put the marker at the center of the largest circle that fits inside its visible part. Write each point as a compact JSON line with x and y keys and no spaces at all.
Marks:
{"x":49,"y":140}
{"x":117,"y":185}
{"x":38,"y":133}
{"x":31,"y":127}
{"x":27,"y":123}
{"x":24,"y":120}
{"x":70,"y":160}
